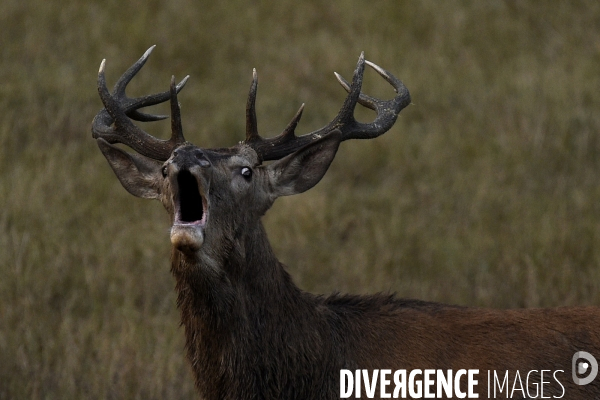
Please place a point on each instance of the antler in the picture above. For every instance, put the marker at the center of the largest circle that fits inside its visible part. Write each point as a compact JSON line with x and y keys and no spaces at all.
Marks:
{"x":113,"y":123}
{"x":287,"y":142}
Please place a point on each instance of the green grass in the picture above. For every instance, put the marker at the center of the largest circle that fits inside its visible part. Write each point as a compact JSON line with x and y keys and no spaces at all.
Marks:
{"x":485,"y":193}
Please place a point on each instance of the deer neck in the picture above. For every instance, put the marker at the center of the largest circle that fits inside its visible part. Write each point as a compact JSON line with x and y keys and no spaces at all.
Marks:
{"x":220,"y":285}
{"x":234,"y":303}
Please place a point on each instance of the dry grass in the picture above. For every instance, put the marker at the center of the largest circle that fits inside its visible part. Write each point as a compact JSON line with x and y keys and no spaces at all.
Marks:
{"x":485,"y":193}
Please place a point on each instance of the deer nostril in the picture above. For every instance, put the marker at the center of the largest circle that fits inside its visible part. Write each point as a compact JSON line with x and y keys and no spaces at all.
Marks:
{"x":201,"y":157}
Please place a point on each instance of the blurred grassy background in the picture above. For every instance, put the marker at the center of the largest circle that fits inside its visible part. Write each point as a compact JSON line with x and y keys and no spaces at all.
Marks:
{"x":485,"y":193}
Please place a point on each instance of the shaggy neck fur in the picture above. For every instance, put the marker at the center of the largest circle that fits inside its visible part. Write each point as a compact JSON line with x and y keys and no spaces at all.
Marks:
{"x":244,"y":319}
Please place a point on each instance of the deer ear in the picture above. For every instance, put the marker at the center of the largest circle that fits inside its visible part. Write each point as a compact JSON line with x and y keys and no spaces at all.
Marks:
{"x":139,"y":175}
{"x":303,"y":169}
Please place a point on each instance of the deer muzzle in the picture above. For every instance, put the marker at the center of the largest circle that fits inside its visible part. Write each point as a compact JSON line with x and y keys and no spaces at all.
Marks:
{"x":190,"y":209}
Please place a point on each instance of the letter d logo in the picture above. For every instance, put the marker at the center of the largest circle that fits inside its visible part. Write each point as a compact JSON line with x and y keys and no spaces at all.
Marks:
{"x":582,"y":363}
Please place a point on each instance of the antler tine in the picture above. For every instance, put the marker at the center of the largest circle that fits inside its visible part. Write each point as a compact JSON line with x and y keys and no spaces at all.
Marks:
{"x":281,"y":145}
{"x":113,"y":123}
{"x":346,"y":113}
{"x":150,"y":100}
{"x":121,"y":84}
{"x":251,"y":122}
{"x":399,"y":102}
{"x":288,"y":132}
{"x":387,"y":112}
{"x":176,"y":126}
{"x":252,"y":136}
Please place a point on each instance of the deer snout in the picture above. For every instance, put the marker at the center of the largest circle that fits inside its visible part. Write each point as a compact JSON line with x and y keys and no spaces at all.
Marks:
{"x":187,"y":175}
{"x":188,"y":157}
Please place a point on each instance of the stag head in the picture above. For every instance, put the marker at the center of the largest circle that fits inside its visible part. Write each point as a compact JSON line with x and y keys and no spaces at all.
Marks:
{"x":214,"y":194}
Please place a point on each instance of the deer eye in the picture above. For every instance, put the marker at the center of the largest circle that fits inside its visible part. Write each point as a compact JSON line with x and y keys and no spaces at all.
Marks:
{"x":246,"y":173}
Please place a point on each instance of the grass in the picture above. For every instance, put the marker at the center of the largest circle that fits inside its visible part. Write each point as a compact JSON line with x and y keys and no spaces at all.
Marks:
{"x":485,"y":193}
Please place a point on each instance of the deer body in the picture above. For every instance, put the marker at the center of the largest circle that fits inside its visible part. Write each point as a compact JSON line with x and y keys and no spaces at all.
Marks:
{"x":269,"y":337}
{"x":251,"y":333}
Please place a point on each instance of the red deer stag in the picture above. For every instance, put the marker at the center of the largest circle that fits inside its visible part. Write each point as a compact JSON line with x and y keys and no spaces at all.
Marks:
{"x":252,"y":334}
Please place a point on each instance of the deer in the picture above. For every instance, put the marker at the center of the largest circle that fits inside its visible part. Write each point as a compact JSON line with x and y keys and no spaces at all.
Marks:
{"x":251,"y":333}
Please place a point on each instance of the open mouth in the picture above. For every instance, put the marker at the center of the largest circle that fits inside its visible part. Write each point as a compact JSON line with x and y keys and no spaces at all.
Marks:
{"x":191,"y":211}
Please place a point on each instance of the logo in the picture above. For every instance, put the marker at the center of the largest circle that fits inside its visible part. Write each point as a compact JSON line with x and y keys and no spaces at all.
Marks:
{"x":584,"y":367}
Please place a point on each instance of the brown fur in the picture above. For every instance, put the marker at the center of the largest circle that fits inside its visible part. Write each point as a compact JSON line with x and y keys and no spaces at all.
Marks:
{"x":251,"y":333}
